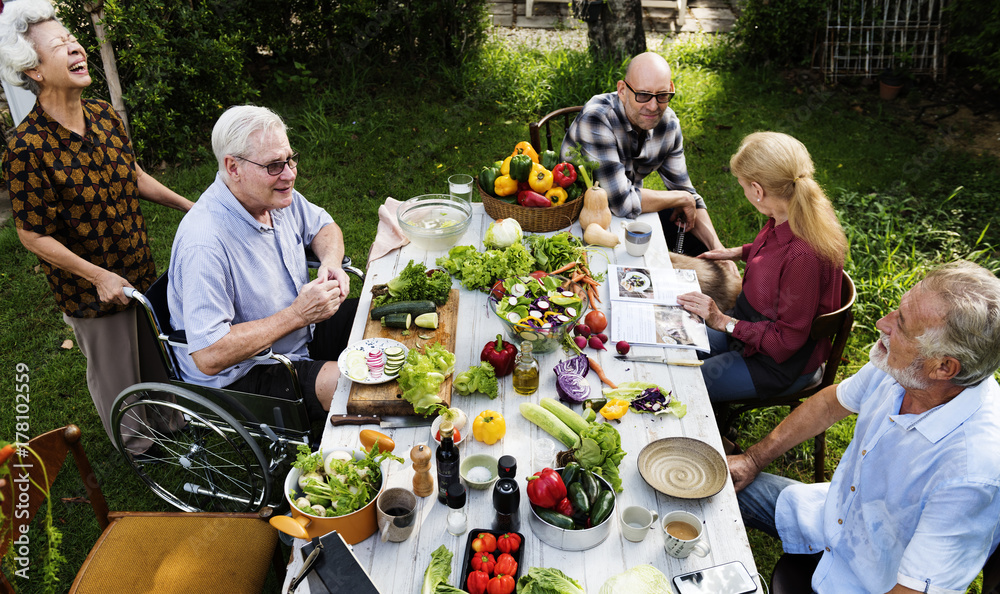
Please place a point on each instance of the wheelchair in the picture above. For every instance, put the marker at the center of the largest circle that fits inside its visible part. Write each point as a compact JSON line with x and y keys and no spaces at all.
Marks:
{"x":212,"y":449}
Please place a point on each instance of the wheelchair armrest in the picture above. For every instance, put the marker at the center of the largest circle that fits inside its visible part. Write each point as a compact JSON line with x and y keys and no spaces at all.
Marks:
{"x":176,"y":338}
{"x":312,"y":261}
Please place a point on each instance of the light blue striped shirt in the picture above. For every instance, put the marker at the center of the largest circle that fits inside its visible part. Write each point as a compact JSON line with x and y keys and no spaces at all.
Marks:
{"x":914,"y":498}
{"x":227,"y":268}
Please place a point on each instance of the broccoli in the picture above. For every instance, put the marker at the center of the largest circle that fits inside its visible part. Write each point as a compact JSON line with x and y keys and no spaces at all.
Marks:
{"x":478,"y":378}
{"x":414,"y":283}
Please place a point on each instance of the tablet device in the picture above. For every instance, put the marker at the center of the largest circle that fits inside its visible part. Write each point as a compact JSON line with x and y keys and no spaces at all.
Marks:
{"x":728,"y":578}
{"x":338,"y":568}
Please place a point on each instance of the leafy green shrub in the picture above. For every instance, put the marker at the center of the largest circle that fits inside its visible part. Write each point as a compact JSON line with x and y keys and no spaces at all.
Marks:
{"x":975,"y":37}
{"x":777,"y":30}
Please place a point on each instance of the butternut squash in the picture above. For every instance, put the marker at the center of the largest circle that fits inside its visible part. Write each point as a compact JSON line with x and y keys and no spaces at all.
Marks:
{"x":595,"y":234}
{"x":595,"y":208}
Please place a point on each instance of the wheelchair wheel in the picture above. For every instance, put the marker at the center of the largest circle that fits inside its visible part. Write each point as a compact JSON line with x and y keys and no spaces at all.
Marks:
{"x":192,"y":453}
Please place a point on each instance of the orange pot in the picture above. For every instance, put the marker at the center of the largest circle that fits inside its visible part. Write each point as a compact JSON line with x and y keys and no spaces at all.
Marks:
{"x":354,"y":527}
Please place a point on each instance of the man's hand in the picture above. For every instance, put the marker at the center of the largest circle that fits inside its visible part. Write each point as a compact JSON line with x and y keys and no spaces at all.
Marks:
{"x":109,"y":287}
{"x":685,"y":213}
{"x":317,"y":301}
{"x":743,"y":469}
{"x":335,"y":273}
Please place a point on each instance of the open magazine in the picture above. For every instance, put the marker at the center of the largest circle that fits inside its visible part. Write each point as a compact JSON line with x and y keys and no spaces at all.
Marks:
{"x":644,"y":307}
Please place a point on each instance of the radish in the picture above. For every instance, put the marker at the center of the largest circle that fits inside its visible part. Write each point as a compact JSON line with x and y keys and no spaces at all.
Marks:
{"x":595,"y":343}
{"x":622,"y":347}
{"x":582,"y":330}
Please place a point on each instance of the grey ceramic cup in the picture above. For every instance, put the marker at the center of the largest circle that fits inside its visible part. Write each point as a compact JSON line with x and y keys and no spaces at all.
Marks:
{"x":397,"y":513}
{"x":636,"y":522}
{"x":637,"y":236}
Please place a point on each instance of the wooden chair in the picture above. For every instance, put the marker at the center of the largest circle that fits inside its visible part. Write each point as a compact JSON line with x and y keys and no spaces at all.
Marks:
{"x":143,"y":551}
{"x":836,"y":326}
{"x":568,"y":115}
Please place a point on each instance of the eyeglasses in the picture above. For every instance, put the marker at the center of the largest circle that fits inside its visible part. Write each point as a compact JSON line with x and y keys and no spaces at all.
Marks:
{"x":278,"y":166}
{"x":645,"y":97}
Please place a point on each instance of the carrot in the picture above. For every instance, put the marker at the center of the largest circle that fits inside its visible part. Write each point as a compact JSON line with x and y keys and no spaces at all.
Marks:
{"x":564,"y":268}
{"x":577,"y":277}
{"x":5,"y":453}
{"x":591,"y":281}
{"x":590,"y":297}
{"x":596,"y":367}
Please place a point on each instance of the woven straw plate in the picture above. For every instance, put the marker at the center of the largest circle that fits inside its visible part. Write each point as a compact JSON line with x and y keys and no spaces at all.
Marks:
{"x":683,"y":467}
{"x":535,"y":220}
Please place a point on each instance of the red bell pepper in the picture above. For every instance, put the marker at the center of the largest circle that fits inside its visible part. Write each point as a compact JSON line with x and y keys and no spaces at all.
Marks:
{"x":565,"y":507}
{"x":564,"y":175}
{"x":484,"y":543}
{"x":509,"y":543}
{"x":546,"y":488}
{"x":477,"y":582}
{"x":501,"y":584}
{"x":483,"y":562}
{"x":506,"y":565}
{"x":501,"y":354}
{"x":532,"y":199}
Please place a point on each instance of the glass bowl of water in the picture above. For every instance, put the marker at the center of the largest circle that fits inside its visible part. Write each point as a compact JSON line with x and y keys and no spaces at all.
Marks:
{"x":434,"y":222}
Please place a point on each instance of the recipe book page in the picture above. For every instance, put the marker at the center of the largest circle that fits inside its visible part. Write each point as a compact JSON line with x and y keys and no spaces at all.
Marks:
{"x":644,"y":308}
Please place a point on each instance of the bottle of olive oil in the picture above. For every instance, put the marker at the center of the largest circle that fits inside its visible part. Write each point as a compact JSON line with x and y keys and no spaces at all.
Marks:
{"x":525,"y":371}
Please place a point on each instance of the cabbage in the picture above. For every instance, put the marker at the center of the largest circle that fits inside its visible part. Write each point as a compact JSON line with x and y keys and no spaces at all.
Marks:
{"x":571,"y":387}
{"x":502,"y":234}
{"x":578,"y":365}
{"x":641,"y":579}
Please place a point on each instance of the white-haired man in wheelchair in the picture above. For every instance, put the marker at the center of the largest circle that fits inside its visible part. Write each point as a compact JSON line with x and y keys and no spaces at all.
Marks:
{"x":238,"y":277}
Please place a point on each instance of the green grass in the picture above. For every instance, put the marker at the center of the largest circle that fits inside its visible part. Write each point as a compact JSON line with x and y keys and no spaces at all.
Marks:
{"x":365,"y":136}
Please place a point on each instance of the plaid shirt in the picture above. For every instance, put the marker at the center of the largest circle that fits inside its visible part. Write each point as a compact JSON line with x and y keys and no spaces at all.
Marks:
{"x":628,"y":155}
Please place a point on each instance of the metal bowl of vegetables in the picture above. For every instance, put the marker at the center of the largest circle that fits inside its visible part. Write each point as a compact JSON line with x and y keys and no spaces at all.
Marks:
{"x":434,"y":222}
{"x":575,"y":538}
{"x":342,"y":470}
{"x":539,"y":310}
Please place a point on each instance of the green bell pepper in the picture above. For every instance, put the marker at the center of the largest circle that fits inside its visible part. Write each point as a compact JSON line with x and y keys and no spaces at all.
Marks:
{"x":487,"y":177}
{"x":549,"y":159}
{"x":520,"y":167}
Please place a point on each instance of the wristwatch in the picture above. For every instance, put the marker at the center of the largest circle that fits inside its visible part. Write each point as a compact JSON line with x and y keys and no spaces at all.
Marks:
{"x":731,"y":326}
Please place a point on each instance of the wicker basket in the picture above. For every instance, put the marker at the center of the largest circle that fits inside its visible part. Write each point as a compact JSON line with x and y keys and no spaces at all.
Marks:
{"x":535,"y":220}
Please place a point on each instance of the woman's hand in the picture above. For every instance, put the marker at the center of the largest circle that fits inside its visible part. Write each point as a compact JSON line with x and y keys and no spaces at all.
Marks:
{"x":704,"y":306}
{"x":734,"y":253}
{"x":109,"y":287}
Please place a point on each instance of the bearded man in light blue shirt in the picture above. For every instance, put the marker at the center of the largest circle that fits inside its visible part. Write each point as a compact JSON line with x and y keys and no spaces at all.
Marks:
{"x":913,"y":504}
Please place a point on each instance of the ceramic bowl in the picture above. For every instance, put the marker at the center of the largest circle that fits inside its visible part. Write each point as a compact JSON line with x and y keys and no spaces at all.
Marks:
{"x":434,"y":222}
{"x":485,"y":460}
{"x":683,"y":467}
{"x":436,"y":425}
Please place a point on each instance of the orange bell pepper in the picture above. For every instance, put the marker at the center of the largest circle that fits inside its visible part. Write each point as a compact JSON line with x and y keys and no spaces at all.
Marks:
{"x":524,"y":148}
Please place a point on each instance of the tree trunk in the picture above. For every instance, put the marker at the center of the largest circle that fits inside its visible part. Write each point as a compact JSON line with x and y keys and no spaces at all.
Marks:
{"x":618,"y":33}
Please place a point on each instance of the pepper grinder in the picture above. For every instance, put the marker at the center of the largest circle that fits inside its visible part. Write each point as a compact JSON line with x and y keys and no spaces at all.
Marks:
{"x":507,"y":497}
{"x":423,"y":482}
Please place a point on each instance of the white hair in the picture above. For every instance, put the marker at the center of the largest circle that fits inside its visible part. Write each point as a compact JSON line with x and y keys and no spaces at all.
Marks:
{"x":17,"y":52}
{"x":232,"y":133}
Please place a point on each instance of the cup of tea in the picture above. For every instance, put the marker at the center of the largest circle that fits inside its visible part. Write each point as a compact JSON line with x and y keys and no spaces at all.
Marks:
{"x":637,"y":236}
{"x":636,"y":521}
{"x":682,"y":535}
{"x":397,"y":513}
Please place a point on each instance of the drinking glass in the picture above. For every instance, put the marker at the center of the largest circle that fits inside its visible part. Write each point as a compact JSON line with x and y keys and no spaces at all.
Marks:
{"x":460,"y":186}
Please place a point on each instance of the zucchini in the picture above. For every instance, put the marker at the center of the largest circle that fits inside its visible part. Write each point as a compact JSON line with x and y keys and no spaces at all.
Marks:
{"x":550,"y":424}
{"x":577,"y":497}
{"x":397,"y":320}
{"x":601,"y":508}
{"x":414,"y":308}
{"x":427,"y":320}
{"x":590,"y":485}
{"x":565,"y":414}
{"x":555,"y":518}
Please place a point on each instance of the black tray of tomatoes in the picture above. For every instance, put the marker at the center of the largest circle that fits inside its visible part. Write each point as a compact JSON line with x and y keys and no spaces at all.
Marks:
{"x":494,"y":556}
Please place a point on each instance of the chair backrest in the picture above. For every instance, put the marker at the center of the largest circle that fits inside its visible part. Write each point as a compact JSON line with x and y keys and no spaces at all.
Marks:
{"x":568,"y":115}
{"x":34,"y":469}
{"x":836,"y":326}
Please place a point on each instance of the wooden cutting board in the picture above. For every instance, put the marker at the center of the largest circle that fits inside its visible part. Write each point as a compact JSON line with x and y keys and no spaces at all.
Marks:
{"x":385,"y":399}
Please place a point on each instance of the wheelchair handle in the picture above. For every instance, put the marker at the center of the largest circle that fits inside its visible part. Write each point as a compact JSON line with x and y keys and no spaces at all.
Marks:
{"x":129,"y":292}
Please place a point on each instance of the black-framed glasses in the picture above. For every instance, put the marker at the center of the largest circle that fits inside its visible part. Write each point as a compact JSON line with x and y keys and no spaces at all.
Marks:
{"x":645,"y":97}
{"x":278,"y":166}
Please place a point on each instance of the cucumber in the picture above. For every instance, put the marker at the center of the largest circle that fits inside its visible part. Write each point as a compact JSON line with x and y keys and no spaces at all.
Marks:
{"x":555,"y":518}
{"x":550,"y":424}
{"x":427,"y":320}
{"x":414,"y":308}
{"x":397,"y":320}
{"x":565,"y":414}
{"x":601,"y":508}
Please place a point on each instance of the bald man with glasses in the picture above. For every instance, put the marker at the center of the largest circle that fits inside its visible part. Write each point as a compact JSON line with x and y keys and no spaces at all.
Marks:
{"x":633,"y":132}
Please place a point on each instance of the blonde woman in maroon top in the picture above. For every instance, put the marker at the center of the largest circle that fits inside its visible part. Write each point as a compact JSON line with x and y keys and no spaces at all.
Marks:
{"x":793,"y":274}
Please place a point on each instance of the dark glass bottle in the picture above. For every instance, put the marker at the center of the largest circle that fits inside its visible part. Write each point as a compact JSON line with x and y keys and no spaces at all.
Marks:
{"x":447,"y":461}
{"x":507,"y":497}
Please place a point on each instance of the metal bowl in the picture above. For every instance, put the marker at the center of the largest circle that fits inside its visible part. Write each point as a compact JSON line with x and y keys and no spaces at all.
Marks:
{"x":543,"y":340}
{"x":574,"y":540}
{"x":434,"y":222}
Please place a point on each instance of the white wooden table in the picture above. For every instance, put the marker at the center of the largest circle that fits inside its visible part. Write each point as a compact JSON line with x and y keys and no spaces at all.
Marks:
{"x":397,"y":568}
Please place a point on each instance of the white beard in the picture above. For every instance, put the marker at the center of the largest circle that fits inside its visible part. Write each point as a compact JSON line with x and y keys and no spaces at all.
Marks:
{"x":910,"y":377}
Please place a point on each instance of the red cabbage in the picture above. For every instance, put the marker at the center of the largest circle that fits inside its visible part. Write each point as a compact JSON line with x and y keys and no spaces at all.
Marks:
{"x":577,"y":365}
{"x":651,"y":400}
{"x":572,"y":387}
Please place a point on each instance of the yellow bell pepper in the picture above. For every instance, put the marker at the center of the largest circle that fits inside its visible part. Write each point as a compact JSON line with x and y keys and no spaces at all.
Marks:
{"x":614,"y":409}
{"x":540,"y":179}
{"x":557,"y":195}
{"x":505,"y":166}
{"x":489,"y":427}
{"x":524,"y":148}
{"x":504,"y":186}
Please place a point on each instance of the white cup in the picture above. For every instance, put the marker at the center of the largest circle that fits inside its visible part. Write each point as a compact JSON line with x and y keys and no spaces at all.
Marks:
{"x":682,"y":535}
{"x":636,"y":522}
{"x":637,"y":236}
{"x":460,"y":186}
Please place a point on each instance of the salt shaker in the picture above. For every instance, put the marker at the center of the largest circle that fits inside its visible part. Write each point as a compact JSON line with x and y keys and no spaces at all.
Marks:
{"x":457,"y":518}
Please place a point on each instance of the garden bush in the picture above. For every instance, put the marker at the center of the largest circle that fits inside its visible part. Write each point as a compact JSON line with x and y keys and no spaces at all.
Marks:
{"x":778,"y":30}
{"x":975,"y":38}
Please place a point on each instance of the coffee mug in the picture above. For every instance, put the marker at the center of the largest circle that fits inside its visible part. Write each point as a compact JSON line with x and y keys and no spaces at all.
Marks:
{"x":682,"y":535}
{"x":397,"y":512}
{"x":637,"y":236}
{"x":636,"y":521}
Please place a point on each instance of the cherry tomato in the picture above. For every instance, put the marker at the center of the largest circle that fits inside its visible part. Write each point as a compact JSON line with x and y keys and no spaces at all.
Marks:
{"x":497,"y":291}
{"x":455,"y":437}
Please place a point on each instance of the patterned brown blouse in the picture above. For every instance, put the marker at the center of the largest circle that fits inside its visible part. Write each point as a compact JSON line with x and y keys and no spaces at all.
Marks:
{"x":83,"y":192}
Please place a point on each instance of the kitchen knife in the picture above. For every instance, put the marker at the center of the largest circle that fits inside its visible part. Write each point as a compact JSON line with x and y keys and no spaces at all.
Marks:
{"x":661,"y":359}
{"x":385,"y":422}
